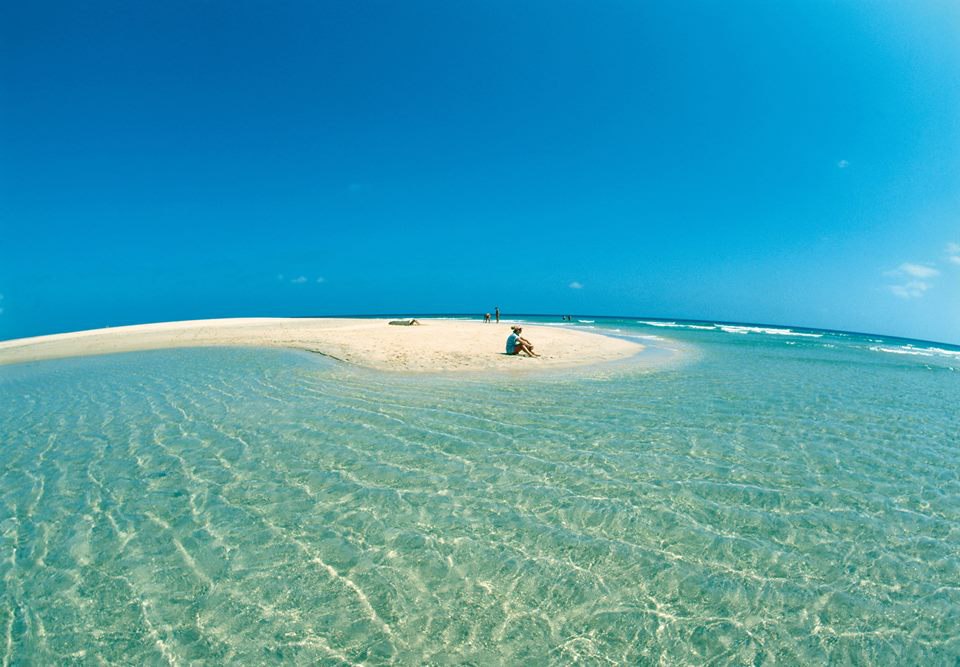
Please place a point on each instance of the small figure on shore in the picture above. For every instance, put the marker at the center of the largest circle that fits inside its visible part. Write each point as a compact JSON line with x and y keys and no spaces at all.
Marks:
{"x":405,"y":323}
{"x":486,"y":318}
{"x":517,"y":344}
{"x":496,"y":312}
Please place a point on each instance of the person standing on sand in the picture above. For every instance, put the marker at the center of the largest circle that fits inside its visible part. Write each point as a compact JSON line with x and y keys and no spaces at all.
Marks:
{"x":486,"y":318}
{"x":496,"y":312}
{"x":516,"y":344}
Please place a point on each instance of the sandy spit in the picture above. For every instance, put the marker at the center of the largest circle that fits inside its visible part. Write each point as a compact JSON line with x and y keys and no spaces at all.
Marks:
{"x":434,"y":346}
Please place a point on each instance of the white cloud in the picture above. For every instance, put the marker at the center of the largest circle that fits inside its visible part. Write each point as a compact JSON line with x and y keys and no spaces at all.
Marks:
{"x":843,"y":164}
{"x":916,"y":283}
{"x":916,"y":279}
{"x":299,"y":280}
{"x":911,"y":290}
{"x":953,"y":253}
{"x":576,"y":285}
{"x":916,"y":270}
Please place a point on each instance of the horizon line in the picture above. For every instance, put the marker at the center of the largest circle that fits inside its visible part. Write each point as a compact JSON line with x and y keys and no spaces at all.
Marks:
{"x":480,"y":316}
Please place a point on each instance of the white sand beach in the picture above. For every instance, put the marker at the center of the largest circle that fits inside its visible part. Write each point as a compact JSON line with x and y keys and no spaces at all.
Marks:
{"x":433,"y":346}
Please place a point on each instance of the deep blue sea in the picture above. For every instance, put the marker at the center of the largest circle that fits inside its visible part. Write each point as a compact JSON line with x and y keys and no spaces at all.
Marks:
{"x":743,"y":495}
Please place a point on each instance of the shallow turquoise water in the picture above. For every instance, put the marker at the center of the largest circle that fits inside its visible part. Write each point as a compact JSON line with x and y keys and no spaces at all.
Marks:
{"x":772,"y":498}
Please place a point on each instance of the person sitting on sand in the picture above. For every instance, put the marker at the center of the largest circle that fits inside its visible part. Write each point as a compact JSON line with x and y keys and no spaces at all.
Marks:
{"x":516,"y":344}
{"x":404,"y":323}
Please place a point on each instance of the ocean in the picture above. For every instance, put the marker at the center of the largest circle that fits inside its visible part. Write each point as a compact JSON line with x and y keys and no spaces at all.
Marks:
{"x":740,"y":495}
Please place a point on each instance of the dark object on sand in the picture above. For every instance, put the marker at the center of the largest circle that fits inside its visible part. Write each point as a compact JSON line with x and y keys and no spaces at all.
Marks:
{"x":404,"y":323}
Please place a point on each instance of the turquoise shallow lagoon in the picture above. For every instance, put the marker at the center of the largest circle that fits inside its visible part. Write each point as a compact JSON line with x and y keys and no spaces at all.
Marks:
{"x":770,"y":497}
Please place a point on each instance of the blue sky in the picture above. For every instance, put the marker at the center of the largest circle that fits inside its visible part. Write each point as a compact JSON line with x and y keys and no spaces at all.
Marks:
{"x":792,"y":162}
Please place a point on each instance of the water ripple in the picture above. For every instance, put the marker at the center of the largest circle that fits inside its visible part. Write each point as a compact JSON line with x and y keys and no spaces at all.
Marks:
{"x":764,"y":504}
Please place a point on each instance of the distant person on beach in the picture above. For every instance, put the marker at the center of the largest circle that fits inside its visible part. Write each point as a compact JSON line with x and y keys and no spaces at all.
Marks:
{"x":496,"y":312}
{"x":517,"y":344}
{"x":486,"y":318}
{"x":405,"y":323}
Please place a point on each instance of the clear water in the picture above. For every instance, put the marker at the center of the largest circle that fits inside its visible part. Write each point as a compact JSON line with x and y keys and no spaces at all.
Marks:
{"x":773,"y":498}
